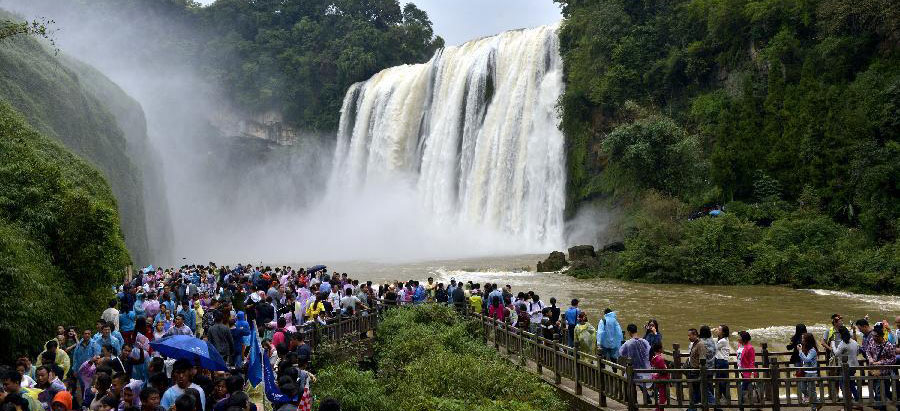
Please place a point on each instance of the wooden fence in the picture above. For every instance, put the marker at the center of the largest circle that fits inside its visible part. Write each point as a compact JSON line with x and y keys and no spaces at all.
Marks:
{"x":773,"y":384}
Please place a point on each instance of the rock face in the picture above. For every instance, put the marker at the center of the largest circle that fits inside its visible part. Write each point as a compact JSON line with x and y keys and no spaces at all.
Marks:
{"x":581,"y":251}
{"x":555,"y":262}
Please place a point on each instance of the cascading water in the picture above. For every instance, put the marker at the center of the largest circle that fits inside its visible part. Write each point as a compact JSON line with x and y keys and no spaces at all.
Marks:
{"x":474,"y":131}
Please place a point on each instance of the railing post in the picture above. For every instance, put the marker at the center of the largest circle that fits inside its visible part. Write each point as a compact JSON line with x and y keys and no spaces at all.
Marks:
{"x":557,"y":377}
{"x":522,"y":342}
{"x":630,"y":387}
{"x":676,"y":359}
{"x":845,"y":385}
{"x":537,"y":354}
{"x":775,"y":382}
{"x":601,"y":384}
{"x":704,"y":399}
{"x":314,"y":340}
{"x":575,"y":371}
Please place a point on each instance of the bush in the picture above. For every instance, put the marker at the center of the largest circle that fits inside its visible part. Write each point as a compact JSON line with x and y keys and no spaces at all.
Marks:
{"x":429,"y":359}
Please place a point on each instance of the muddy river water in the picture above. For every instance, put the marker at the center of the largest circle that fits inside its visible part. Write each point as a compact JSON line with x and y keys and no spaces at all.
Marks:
{"x":768,"y":313}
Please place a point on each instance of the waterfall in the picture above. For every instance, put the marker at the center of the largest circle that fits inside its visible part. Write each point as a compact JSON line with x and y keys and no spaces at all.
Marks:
{"x":474,"y":131}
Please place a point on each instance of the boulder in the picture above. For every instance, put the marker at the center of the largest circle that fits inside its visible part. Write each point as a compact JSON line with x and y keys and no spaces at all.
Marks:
{"x":591,"y":264}
{"x":581,"y":251}
{"x":555,"y":262}
{"x":616,"y":247}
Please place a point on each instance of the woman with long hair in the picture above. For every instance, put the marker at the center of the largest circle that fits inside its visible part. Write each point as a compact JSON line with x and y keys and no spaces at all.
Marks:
{"x":809,"y":359}
{"x":846,"y":349}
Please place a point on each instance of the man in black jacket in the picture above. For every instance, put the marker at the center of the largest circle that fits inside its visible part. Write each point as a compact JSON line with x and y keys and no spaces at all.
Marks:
{"x":219,"y":336}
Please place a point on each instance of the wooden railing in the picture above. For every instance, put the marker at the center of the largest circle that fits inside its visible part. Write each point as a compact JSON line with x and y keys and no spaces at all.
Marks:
{"x":773,"y":384}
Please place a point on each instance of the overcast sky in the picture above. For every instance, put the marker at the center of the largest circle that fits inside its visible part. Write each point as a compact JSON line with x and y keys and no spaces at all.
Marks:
{"x":458,"y":21}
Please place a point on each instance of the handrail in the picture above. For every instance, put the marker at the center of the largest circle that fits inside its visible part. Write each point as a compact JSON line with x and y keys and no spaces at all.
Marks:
{"x":771,"y":385}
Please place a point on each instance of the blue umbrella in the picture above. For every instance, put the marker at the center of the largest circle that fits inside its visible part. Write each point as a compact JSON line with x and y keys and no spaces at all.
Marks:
{"x":193,"y":349}
{"x":314,"y":269}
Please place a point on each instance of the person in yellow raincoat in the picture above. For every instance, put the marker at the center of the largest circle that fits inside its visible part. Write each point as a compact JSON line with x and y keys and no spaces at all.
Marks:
{"x":62,"y":359}
{"x":585,"y":335}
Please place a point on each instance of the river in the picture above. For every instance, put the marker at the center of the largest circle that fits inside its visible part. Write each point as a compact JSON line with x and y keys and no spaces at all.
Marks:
{"x":769,"y":313}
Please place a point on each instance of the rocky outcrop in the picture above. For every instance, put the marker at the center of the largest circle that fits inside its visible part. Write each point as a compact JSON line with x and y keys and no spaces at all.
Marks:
{"x":555,"y":262}
{"x":581,"y":251}
{"x":269,"y":125}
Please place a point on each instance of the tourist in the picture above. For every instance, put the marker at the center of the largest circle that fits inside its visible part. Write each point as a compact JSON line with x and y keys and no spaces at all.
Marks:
{"x":584,"y":335}
{"x":846,"y":350}
{"x":111,"y":314}
{"x":126,"y":322}
{"x":707,"y":339}
{"x":554,"y":312}
{"x":652,"y":333}
{"x":880,"y":352}
{"x":181,"y":376}
{"x":696,"y":354}
{"x":59,"y":357}
{"x":536,"y":312}
{"x":794,"y":346}
{"x":85,"y":349}
{"x":106,"y":338}
{"x":609,"y":335}
{"x":721,"y":358}
{"x":831,"y":333}
{"x":571,"y":319}
{"x":219,"y":335}
{"x":150,"y":399}
{"x":746,"y":359}
{"x":179,"y":328}
{"x":658,"y":362}
{"x":189,"y":316}
{"x":809,"y":360}
{"x":637,"y":350}
{"x":496,"y":310}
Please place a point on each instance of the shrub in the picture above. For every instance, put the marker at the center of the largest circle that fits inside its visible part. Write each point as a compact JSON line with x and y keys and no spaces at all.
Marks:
{"x":429,"y":359}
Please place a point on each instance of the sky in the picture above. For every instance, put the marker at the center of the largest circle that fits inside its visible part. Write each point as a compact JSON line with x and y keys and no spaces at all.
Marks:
{"x":458,"y":21}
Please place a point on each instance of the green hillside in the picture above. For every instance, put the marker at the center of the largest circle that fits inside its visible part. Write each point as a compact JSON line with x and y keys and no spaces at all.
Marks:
{"x":69,"y":101}
{"x":61,"y":246}
{"x":785,"y":112}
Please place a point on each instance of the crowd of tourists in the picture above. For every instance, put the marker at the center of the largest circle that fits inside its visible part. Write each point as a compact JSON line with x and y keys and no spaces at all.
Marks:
{"x":114,"y":367}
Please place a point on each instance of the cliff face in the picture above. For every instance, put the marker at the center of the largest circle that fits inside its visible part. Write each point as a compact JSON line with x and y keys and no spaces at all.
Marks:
{"x":74,"y":104}
{"x":269,"y":126}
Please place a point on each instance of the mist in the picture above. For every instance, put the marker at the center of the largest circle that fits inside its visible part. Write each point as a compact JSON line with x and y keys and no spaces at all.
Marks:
{"x":228,"y":198}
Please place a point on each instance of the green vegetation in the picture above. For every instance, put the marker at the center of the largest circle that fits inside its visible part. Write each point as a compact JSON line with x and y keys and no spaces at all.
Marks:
{"x":785,"y":112}
{"x":427,"y":358}
{"x":61,"y":246}
{"x":67,"y":101}
{"x":295,"y":57}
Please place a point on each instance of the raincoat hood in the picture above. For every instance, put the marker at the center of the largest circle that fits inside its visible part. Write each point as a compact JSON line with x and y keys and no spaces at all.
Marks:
{"x":64,"y":398}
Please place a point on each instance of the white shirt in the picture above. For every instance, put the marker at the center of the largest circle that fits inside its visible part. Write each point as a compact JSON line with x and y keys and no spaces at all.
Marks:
{"x":850,"y":350}
{"x":723,"y":349}
{"x":535,"y":309}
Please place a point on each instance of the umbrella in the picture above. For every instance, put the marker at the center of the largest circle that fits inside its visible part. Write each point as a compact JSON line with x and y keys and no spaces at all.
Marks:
{"x":147,"y":269}
{"x":314,"y":269}
{"x":193,"y":349}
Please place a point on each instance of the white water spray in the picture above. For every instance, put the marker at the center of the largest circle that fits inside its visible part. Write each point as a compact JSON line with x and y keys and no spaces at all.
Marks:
{"x":474,"y":132}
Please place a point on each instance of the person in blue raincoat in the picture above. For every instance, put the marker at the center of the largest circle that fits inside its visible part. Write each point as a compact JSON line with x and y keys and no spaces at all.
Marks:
{"x":609,"y":335}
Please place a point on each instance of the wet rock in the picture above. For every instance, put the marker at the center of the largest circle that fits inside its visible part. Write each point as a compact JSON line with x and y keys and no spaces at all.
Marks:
{"x":581,"y":251}
{"x":555,"y":262}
